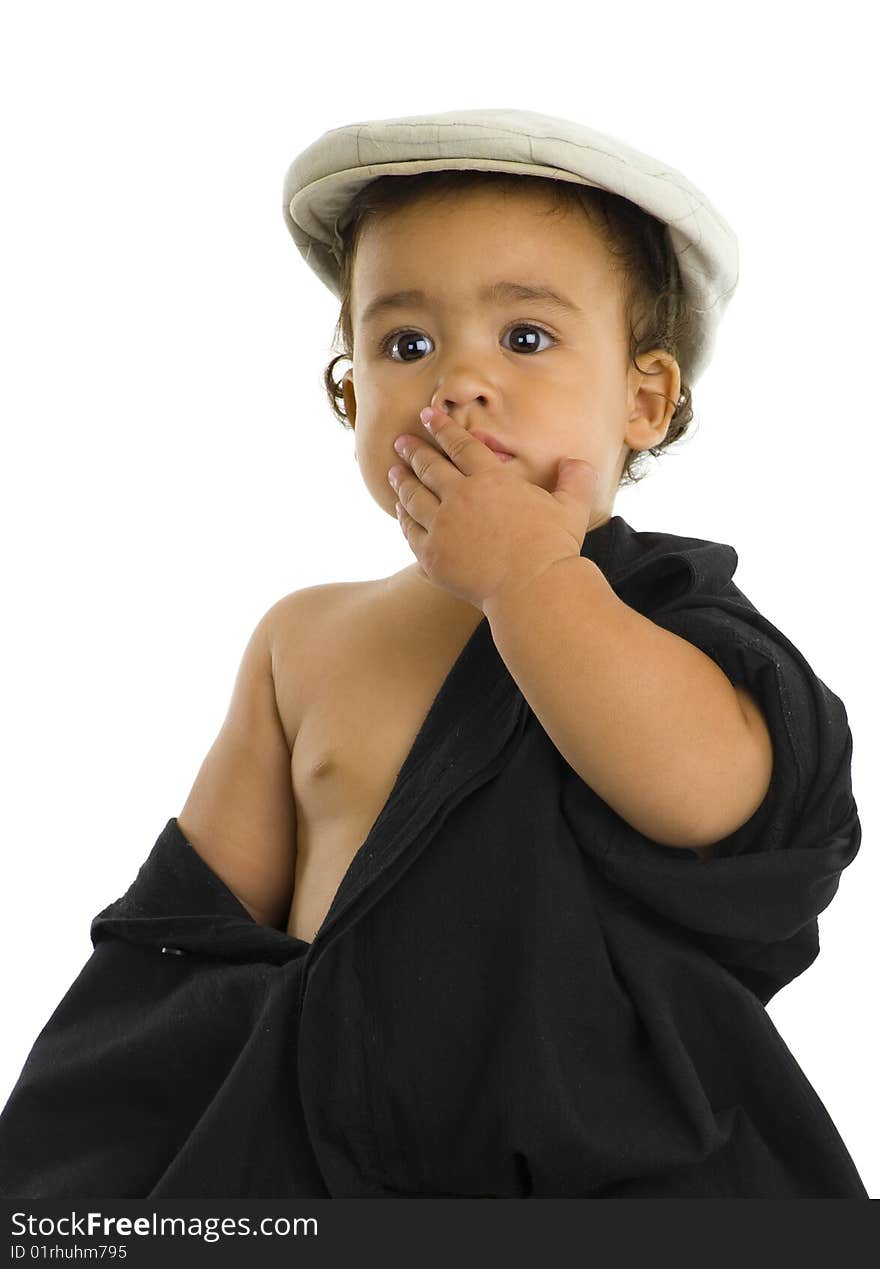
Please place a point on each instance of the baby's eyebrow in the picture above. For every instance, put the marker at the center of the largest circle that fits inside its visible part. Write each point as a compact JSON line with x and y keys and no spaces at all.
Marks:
{"x":494,"y":293}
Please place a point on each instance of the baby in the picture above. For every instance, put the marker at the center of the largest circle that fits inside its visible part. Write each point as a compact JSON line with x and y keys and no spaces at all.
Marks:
{"x":495,"y":862}
{"x":498,"y":304}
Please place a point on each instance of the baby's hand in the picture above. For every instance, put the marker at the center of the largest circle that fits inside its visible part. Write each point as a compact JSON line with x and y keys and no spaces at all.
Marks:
{"x":475,"y":526}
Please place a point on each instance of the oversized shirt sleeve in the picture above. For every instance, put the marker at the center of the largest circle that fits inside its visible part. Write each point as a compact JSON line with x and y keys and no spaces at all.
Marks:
{"x":160,"y":1073}
{"x":753,"y":901}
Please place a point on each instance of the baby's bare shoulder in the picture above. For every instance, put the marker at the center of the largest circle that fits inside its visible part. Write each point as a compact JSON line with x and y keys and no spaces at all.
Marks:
{"x":298,"y":621}
{"x":302,"y":613}
{"x":302,"y":626}
{"x":309,"y":602}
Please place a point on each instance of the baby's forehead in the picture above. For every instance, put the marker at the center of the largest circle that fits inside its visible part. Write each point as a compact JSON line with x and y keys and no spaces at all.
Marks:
{"x":506,"y":242}
{"x":571,"y":283}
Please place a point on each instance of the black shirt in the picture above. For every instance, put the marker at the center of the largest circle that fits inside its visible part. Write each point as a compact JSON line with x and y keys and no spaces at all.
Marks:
{"x":514,"y":993}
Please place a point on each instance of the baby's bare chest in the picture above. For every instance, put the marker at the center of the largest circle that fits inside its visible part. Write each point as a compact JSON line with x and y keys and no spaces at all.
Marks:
{"x":352,"y":700}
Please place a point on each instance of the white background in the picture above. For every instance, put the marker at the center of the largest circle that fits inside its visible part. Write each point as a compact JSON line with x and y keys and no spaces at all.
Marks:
{"x":171,"y":466}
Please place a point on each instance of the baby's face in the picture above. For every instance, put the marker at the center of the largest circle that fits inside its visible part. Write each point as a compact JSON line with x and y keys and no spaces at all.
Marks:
{"x":545,"y":381}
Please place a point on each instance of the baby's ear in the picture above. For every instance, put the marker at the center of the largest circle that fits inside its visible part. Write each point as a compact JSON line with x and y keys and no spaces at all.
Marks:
{"x":348,"y":396}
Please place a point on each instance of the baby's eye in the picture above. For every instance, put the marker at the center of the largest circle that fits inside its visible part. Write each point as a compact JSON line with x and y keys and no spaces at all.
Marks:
{"x":413,"y":337}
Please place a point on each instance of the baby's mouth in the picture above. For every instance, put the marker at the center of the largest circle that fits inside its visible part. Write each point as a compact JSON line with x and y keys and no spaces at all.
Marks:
{"x":491,"y":443}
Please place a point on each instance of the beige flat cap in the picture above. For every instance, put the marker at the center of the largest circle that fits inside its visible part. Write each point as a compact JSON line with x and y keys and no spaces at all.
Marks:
{"x":323,"y":178}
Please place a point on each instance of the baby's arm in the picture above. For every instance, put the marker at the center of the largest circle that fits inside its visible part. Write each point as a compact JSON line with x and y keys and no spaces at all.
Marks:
{"x":240,"y":816}
{"x":647,"y":719}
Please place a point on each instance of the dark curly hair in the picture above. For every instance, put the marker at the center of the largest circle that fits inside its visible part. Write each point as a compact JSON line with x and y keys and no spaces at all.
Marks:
{"x":638,"y":241}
